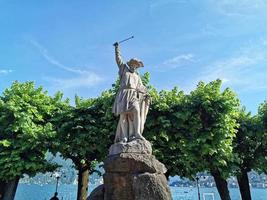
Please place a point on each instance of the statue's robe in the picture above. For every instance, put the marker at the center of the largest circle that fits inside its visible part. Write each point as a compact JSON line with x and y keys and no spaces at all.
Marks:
{"x":132,"y":93}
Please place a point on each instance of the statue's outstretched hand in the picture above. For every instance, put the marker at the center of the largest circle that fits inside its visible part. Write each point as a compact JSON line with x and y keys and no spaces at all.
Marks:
{"x":116,"y":44}
{"x":147,"y":96}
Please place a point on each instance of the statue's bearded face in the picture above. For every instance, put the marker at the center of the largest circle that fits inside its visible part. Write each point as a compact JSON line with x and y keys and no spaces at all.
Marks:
{"x":135,"y":63}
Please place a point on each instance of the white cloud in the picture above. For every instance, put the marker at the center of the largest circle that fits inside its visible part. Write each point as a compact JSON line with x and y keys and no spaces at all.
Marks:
{"x":242,"y":8}
{"x":86,"y":80}
{"x":178,"y":60}
{"x":83,"y":78}
{"x":53,"y":61}
{"x":175,"y":62}
{"x":244,"y":70}
{"x":5,"y":71}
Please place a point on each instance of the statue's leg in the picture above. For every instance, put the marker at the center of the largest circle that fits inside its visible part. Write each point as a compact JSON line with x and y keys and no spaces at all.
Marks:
{"x":122,"y":128}
{"x":131,"y":126}
{"x":137,"y":122}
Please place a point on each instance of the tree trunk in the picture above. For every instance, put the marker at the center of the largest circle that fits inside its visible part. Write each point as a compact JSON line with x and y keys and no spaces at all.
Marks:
{"x":2,"y":189}
{"x":10,"y":189}
{"x":221,"y":185}
{"x":83,"y":178}
{"x":243,"y":183}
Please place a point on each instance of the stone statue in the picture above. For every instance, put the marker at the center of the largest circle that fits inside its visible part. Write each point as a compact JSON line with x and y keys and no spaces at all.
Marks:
{"x":131,"y":171}
{"x":132,"y":100}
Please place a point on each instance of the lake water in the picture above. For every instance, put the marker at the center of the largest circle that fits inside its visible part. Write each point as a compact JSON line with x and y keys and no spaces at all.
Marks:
{"x":68,"y":192}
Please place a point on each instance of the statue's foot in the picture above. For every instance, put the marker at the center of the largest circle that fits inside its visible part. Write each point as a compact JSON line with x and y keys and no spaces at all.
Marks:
{"x":135,"y":137}
{"x":124,"y":140}
{"x":131,"y":138}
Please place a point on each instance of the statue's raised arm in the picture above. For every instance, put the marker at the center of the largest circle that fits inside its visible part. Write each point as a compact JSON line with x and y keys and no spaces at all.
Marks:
{"x":118,"y":57}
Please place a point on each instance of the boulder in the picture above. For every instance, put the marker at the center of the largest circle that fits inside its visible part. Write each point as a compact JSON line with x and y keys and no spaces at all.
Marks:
{"x":97,"y":193}
{"x":133,"y":163}
{"x":132,"y":173}
{"x":147,"y":186}
{"x":141,"y":186}
{"x":134,"y":146}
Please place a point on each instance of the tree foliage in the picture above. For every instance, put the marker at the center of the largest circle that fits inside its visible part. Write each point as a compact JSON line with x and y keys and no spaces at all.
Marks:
{"x":25,"y":130}
{"x":202,"y":131}
{"x":196,"y":129}
{"x":262,"y":112}
{"x":249,"y":144}
{"x":84,"y":134}
{"x":194,"y":133}
{"x":211,"y":126}
{"x":249,"y":150}
{"x":159,"y":131}
{"x":81,"y":128}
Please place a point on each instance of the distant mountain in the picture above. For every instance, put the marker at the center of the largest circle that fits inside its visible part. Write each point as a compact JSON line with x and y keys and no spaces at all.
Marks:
{"x":69,"y":176}
{"x":67,"y":172}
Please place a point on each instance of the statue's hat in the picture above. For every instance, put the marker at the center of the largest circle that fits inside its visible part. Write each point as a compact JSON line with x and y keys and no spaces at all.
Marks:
{"x":136,"y":61}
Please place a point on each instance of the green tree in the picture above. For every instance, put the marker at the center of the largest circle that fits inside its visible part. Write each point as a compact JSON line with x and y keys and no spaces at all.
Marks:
{"x":195,"y":132}
{"x":159,"y":129}
{"x":249,"y":150}
{"x":211,"y":126}
{"x":84,"y":134}
{"x":263,"y":114}
{"x":25,"y":134}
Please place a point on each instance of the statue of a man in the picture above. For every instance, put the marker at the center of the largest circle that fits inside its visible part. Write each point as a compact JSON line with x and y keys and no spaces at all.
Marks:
{"x":132,"y":100}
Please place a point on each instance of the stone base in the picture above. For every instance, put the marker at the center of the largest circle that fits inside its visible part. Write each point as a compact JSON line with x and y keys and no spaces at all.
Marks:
{"x":135,"y":146}
{"x":133,"y":163}
{"x":141,"y":186}
{"x":132,"y":174}
{"x":97,"y":193}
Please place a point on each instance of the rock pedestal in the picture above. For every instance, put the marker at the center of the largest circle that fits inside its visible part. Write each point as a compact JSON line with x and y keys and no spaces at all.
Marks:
{"x":132,"y":173}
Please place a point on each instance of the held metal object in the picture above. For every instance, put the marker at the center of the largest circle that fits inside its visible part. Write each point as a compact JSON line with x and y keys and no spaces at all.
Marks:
{"x":116,"y":43}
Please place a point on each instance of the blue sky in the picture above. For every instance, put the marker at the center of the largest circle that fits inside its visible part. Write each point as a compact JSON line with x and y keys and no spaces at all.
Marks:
{"x":67,"y":45}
